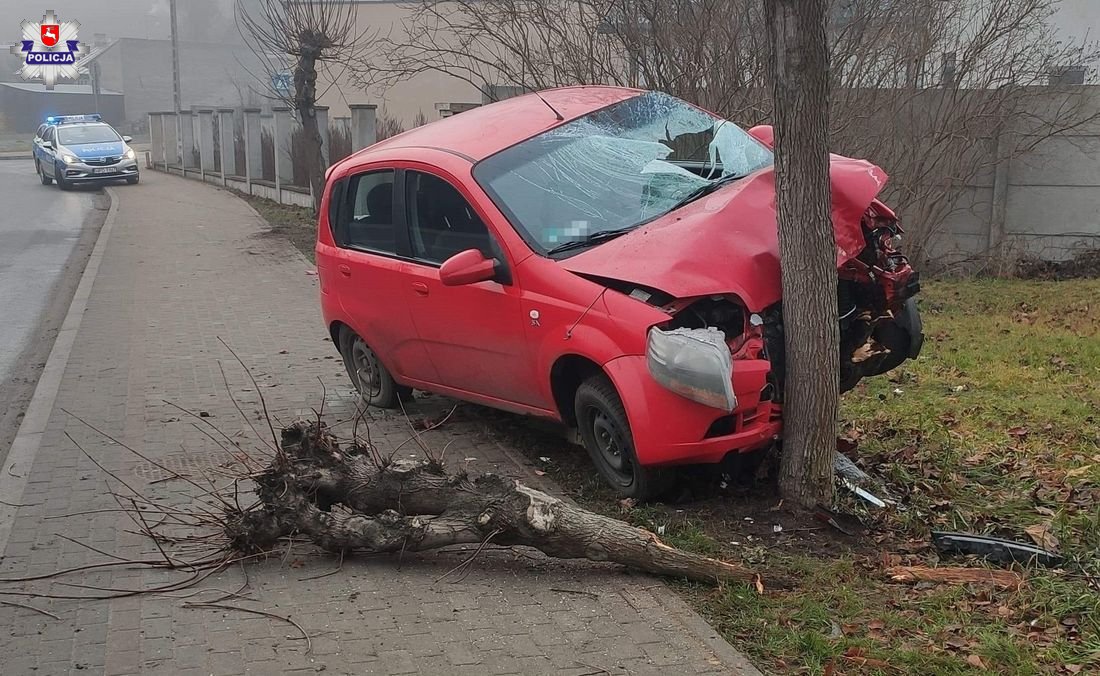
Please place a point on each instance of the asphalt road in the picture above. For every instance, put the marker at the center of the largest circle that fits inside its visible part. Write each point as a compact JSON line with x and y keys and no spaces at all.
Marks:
{"x":45,"y":236}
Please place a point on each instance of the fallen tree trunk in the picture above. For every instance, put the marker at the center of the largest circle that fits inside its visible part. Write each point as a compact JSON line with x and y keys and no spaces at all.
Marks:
{"x":347,"y":499}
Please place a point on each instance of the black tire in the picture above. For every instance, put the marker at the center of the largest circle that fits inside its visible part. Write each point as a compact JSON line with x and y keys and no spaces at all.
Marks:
{"x":605,"y":432}
{"x":372,"y":380}
{"x":59,"y":176}
{"x":133,"y":180}
{"x":46,"y":180}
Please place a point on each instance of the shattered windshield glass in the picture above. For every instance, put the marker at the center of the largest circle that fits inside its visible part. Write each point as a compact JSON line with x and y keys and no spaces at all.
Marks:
{"x":615,"y":169}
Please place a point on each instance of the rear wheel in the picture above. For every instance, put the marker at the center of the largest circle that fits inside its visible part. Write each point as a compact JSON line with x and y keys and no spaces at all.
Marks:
{"x":372,"y":380}
{"x":46,"y":180}
{"x":605,"y":432}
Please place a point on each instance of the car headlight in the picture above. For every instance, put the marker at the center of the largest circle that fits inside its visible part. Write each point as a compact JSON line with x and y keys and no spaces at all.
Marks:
{"x":68,"y":159}
{"x":694,"y":363}
{"x":130,"y":154}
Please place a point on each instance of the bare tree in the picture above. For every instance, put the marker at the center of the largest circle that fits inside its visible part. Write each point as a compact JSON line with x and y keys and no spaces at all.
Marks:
{"x":310,"y":34}
{"x":807,"y":248}
{"x":938,"y":93}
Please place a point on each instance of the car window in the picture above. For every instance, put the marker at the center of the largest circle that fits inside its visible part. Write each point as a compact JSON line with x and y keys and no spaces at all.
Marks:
{"x":367,"y":219}
{"x":48,"y":136}
{"x":41,"y":131}
{"x":441,"y":221}
{"x":87,"y":133}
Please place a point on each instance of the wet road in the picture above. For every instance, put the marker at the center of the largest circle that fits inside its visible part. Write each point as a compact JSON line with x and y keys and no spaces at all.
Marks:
{"x":39,"y":230}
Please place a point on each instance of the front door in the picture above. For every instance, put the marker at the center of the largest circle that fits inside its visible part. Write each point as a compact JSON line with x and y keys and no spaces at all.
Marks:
{"x":474,"y":334}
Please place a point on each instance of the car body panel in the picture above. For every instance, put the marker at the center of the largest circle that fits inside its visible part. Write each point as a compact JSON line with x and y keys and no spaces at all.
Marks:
{"x":728,"y":242}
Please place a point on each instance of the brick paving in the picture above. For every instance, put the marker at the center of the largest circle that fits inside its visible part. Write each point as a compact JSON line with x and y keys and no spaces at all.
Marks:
{"x":185,"y":266}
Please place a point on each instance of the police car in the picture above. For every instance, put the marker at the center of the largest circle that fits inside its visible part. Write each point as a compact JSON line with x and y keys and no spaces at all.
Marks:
{"x":73,"y":149}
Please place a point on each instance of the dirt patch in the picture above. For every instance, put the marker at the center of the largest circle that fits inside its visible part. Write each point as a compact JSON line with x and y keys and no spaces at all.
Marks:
{"x":1084,"y":265}
{"x":295,"y":224}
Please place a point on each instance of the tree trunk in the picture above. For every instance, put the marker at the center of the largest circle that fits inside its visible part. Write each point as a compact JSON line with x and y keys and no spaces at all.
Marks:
{"x":305,"y":103}
{"x":347,"y":499}
{"x":807,"y":245}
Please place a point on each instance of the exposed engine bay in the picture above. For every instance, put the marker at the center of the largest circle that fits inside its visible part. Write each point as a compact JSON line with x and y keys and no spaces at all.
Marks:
{"x":879,"y":323}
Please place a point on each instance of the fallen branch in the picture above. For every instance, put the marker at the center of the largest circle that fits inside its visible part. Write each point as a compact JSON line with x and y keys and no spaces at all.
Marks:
{"x":343,"y":499}
{"x":999,"y":578}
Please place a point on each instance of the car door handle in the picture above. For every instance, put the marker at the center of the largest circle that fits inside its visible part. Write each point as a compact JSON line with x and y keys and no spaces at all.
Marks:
{"x":420,"y":288}
{"x":345,"y":270}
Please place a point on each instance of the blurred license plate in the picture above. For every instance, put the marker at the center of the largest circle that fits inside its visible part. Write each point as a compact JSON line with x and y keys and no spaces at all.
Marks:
{"x":104,"y":170}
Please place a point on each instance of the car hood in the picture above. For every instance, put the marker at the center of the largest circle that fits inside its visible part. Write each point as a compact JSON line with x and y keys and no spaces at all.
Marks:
{"x":97,"y":149}
{"x":728,"y":242}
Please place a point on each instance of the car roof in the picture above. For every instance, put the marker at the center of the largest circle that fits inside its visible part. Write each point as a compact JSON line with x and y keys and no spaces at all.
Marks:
{"x":486,"y":130}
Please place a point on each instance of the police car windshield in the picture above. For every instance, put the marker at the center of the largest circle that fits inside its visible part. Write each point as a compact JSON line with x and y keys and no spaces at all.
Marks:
{"x":78,"y":134}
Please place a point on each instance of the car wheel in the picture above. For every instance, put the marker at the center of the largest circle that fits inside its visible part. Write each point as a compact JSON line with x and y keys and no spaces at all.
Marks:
{"x":132,"y":180}
{"x":605,"y":432}
{"x":46,"y":180}
{"x":59,"y":176}
{"x":372,"y":380}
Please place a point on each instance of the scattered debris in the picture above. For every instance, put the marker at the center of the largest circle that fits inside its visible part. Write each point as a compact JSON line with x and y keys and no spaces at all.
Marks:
{"x":1041,"y":534}
{"x":993,"y":549}
{"x":954,"y":575}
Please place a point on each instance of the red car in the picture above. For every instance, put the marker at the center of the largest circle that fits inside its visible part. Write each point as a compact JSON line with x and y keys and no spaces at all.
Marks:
{"x":600,"y":256}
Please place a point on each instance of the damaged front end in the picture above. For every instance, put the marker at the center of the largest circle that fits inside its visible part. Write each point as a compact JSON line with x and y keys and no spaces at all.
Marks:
{"x":880,"y":326}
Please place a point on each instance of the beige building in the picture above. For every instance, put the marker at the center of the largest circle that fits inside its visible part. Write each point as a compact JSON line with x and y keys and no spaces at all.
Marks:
{"x":431,"y":93}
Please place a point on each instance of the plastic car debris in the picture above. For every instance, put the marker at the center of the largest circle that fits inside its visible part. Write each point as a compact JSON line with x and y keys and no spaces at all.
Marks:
{"x":994,"y":549}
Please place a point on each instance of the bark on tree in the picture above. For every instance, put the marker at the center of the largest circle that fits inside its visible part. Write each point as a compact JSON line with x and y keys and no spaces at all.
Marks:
{"x":348,"y":499}
{"x":807,"y":245}
{"x":305,"y":103}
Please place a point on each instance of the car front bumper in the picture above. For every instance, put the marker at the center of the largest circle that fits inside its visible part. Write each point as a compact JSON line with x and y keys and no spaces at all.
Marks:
{"x":79,"y":172}
{"x":669,"y":429}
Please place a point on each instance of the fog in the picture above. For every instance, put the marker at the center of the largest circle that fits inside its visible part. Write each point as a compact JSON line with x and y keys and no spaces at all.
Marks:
{"x":199,"y":20}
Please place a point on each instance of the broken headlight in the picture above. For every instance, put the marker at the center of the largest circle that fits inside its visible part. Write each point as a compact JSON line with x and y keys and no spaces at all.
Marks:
{"x":694,"y":363}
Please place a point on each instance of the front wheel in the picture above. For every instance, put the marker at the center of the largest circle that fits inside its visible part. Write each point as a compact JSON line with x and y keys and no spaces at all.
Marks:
{"x":605,"y":432}
{"x":132,"y":180}
{"x":46,"y":180}
{"x":59,"y":176}
{"x":372,"y":380}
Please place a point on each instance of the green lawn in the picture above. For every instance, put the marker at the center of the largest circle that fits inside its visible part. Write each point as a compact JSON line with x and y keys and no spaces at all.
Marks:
{"x":995,"y":428}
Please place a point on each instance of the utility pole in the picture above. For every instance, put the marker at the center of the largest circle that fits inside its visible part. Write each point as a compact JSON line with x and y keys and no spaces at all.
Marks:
{"x":176,"y":81}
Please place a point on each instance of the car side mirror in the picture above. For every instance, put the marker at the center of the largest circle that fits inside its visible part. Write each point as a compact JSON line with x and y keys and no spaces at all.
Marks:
{"x":764,"y":133}
{"x":467,"y":267}
{"x":47,"y":144}
{"x":127,"y":139}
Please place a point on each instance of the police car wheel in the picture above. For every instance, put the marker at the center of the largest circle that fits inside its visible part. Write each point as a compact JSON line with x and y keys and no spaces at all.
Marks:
{"x":46,"y":180}
{"x":59,"y":176}
{"x":132,"y":180}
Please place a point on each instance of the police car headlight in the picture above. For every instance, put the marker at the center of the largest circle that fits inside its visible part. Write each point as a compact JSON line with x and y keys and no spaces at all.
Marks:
{"x":130,"y":154}
{"x":68,"y":159}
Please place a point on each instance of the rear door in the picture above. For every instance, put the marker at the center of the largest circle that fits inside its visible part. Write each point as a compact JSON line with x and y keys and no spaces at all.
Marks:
{"x":372,"y":278}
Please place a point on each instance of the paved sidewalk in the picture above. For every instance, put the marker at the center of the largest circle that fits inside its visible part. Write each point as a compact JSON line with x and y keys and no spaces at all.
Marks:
{"x":185,"y":265}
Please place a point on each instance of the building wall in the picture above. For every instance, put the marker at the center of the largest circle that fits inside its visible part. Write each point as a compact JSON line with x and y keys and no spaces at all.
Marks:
{"x":210,"y":75}
{"x":404,"y":100}
{"x":22,"y":111}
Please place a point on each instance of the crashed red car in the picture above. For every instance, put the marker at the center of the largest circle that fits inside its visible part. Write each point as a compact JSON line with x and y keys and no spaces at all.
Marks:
{"x":603,"y":257}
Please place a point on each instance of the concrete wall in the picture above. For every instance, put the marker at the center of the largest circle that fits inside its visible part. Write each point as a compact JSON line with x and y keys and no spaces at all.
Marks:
{"x":1043,"y":200}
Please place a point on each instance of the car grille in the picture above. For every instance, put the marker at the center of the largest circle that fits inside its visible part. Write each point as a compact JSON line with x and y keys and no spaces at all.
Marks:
{"x":101,"y":161}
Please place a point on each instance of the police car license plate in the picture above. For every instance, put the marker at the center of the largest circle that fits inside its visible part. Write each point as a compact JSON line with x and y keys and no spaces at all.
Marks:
{"x":104,"y":170}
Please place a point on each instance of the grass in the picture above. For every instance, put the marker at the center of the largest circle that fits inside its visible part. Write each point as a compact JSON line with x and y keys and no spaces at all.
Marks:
{"x":296,"y":224}
{"x":994,"y":429}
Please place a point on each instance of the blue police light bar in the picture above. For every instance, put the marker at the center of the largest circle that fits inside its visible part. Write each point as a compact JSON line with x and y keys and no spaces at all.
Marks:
{"x":62,"y":119}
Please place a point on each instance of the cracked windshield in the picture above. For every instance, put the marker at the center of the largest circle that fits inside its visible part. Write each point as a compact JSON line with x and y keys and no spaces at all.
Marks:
{"x":615,"y":169}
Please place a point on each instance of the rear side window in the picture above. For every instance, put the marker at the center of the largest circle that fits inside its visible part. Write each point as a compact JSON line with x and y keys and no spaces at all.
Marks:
{"x":366,"y":220}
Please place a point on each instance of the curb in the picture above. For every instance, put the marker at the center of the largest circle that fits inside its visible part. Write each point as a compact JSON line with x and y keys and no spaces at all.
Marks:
{"x":27,"y":440}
